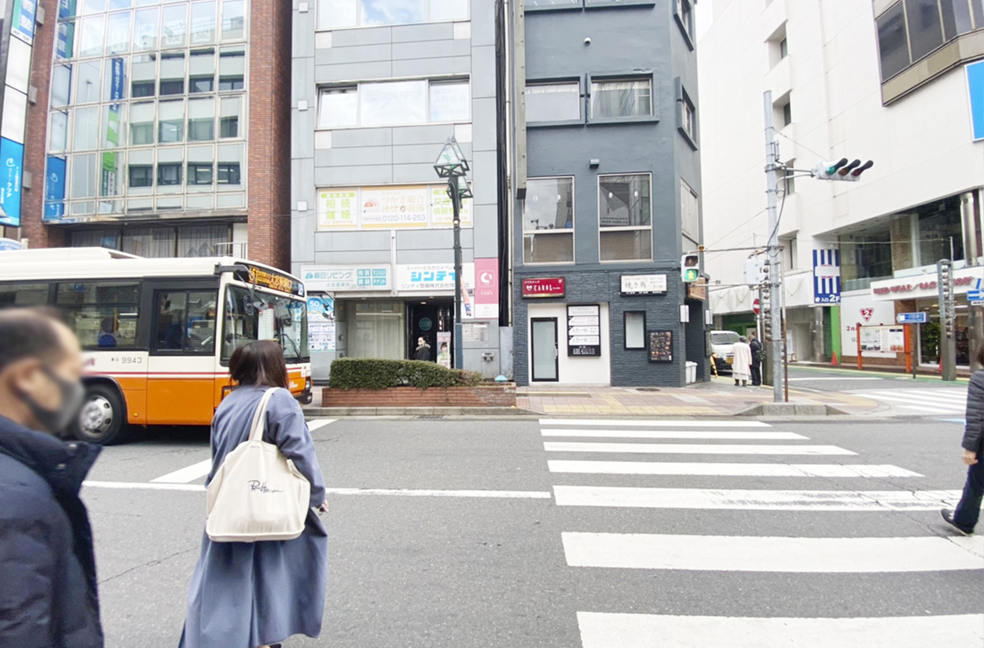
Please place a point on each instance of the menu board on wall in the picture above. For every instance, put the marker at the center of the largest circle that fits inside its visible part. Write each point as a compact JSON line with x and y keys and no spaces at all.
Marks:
{"x":584,"y":331}
{"x":661,"y":346}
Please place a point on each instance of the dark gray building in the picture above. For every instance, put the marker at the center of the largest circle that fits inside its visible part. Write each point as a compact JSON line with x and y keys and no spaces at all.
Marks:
{"x":606,"y":180}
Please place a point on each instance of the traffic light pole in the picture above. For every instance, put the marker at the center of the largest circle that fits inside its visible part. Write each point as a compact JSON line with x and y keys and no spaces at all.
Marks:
{"x":778,"y":346}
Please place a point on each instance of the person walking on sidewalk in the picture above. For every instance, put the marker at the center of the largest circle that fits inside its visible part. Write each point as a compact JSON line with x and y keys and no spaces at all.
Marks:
{"x":741,"y":365}
{"x":756,"y":368}
{"x":48,"y":592}
{"x":245,"y":595}
{"x":964,"y":517}
{"x":423,"y":351}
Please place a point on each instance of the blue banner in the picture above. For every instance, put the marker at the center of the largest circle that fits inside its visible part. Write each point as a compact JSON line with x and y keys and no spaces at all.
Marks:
{"x":23,"y":19}
{"x":11,"y":165}
{"x":826,"y":277}
{"x":975,"y":85}
{"x":54,"y":189}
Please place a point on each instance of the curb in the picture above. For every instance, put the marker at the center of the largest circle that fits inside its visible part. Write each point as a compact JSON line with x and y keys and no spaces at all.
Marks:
{"x":330,"y":412}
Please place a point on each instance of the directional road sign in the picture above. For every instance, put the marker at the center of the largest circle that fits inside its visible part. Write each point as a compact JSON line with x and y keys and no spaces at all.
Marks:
{"x":975,"y":295}
{"x":911,"y":318}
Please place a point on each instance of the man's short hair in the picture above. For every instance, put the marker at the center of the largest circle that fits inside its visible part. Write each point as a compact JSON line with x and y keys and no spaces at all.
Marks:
{"x":29,"y":333}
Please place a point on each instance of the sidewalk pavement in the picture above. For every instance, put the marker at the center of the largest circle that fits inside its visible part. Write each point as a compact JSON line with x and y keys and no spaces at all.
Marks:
{"x":717,"y":398}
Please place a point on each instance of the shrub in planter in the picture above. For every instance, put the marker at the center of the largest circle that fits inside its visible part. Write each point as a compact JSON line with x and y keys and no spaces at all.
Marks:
{"x":373,"y":373}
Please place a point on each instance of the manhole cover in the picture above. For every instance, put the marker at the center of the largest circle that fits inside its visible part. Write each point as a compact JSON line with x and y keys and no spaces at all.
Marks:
{"x":647,"y":389}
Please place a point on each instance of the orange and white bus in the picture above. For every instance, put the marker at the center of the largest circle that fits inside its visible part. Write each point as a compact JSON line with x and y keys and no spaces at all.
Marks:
{"x":158,"y":333}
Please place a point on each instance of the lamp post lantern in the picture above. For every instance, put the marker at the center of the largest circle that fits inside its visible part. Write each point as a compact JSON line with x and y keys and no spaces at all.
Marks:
{"x":451,"y":164}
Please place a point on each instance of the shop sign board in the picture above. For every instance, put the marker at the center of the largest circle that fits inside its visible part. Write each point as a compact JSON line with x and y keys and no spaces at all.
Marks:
{"x":826,"y":277}
{"x":543,"y":287}
{"x":10,"y":244}
{"x":651,"y":284}
{"x":438,"y":278}
{"x":661,"y":346}
{"x":911,"y":318}
{"x":975,"y":87}
{"x":389,"y":207}
{"x":487,"y":288}
{"x":862,"y":308}
{"x":697,"y":290}
{"x":584,"y":331}
{"x":923,"y":286}
{"x":882,"y":340}
{"x":341,"y":278}
{"x":321,"y":323}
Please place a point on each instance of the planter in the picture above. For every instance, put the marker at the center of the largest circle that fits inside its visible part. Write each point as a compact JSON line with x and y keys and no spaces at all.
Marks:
{"x":498,"y":395}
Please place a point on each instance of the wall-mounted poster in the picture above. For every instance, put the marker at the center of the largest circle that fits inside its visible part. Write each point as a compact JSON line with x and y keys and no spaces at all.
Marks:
{"x":584,"y":331}
{"x":661,"y":346}
{"x":321,"y":323}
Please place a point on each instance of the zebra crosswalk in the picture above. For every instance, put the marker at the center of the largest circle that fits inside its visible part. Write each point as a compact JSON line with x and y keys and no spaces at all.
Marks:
{"x":626,"y":466}
{"x":925,"y":402}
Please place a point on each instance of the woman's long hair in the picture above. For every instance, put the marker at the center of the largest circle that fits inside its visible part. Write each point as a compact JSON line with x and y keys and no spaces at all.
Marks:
{"x":259,"y":364}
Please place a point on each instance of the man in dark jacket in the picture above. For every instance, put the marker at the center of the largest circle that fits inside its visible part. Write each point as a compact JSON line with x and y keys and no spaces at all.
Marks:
{"x":756,"y":347}
{"x":48,"y":595}
{"x":964,"y":517}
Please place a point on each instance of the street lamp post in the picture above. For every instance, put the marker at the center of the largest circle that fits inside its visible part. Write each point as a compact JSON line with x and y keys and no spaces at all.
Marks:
{"x":451,"y":164}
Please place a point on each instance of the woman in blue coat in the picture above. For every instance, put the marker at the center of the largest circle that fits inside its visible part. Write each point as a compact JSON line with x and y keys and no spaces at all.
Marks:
{"x":245,"y":595}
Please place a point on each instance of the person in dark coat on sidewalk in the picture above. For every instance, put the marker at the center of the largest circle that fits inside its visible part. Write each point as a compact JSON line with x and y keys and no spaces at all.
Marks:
{"x":423,"y":351}
{"x":756,"y":366}
{"x":48,"y":596}
{"x":964,"y":517}
{"x":249,"y":594}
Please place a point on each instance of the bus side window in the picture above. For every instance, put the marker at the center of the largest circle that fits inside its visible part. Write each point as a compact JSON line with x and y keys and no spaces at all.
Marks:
{"x":33,"y":294}
{"x":186,"y":321}
{"x":171,"y":309}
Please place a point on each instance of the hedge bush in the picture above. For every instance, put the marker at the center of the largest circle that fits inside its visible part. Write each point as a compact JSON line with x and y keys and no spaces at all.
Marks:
{"x":373,"y":373}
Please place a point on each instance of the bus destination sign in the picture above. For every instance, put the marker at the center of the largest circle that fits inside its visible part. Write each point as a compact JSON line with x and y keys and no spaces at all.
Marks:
{"x":275,"y":281}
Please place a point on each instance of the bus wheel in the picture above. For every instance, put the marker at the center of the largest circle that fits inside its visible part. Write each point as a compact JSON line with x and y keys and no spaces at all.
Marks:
{"x":103,"y":417}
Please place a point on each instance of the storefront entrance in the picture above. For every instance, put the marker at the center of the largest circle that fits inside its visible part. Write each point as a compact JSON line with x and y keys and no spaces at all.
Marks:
{"x":543,"y":349}
{"x":428,"y":319}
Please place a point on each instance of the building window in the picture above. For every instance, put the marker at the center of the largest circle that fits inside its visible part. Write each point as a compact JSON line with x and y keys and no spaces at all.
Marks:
{"x":548,"y":221}
{"x":141,"y":176}
{"x":625,"y":217}
{"x":686,"y":115}
{"x":553,"y":102}
{"x":230,"y":111}
{"x":394,"y":103}
{"x":635,"y":329}
{"x":199,"y":174}
{"x":783,"y":48}
{"x":684,"y":14}
{"x":689,"y":212}
{"x":782,"y":111}
{"x":614,"y":98}
{"x":228,"y":174}
{"x":789,"y":177}
{"x":339,"y":14}
{"x":552,"y":4}
{"x":201,"y":120}
{"x":787,"y":113}
{"x":924,"y":25}
{"x":168,"y":174}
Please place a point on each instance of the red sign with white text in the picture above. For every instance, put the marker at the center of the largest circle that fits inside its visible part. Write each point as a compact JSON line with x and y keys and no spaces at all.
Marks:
{"x":487,"y":288}
{"x":545,"y":287}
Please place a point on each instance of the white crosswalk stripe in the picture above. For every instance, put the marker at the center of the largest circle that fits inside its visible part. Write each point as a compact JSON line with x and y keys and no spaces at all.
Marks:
{"x":925,"y":401}
{"x":667,"y":547}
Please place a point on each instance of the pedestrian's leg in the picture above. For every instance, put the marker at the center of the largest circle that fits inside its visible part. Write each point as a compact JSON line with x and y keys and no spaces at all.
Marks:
{"x":969,"y":509}
{"x":736,"y":382}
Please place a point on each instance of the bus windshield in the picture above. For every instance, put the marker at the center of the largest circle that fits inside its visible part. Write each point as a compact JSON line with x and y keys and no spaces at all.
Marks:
{"x":258,"y":315}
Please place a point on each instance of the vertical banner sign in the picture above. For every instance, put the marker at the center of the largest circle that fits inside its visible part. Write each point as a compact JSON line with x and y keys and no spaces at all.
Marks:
{"x":975,"y":86}
{"x":11,"y":162}
{"x":23,"y":19}
{"x":109,"y":161}
{"x":54,"y":189}
{"x":321,"y":323}
{"x":826,"y":277}
{"x":584,"y":331}
{"x":486,"y":288}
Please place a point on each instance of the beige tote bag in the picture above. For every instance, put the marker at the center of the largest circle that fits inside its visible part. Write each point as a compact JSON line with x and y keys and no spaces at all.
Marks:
{"x":257,"y":494}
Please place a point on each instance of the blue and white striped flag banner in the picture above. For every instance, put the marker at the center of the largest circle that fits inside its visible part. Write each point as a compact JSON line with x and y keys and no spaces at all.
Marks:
{"x":826,"y":277}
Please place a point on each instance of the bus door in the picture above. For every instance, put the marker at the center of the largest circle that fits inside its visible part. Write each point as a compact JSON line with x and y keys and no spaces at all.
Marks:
{"x":181,"y":368}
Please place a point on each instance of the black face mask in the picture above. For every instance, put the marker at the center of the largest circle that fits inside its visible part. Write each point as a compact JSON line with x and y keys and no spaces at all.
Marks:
{"x":72,"y":398}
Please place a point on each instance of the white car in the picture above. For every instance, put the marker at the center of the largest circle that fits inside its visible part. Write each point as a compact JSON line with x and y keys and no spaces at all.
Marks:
{"x":722,"y":346}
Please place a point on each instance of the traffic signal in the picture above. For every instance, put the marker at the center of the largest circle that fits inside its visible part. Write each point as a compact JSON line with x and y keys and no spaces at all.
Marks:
{"x":690,"y":268}
{"x":841,"y":170}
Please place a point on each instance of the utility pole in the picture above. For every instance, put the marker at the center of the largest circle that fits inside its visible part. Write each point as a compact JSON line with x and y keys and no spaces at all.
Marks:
{"x":777,"y":348}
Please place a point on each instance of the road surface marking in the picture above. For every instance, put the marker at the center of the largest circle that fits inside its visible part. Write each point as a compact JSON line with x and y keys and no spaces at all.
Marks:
{"x":668,"y":434}
{"x":773,"y":554}
{"x":694,"y":448}
{"x":916,"y":399}
{"x":832,"y":379}
{"x":186,"y":475}
{"x":662,"y":423}
{"x":753,"y":500}
{"x":314,"y":424}
{"x":650,"y":630}
{"x":399,"y":492}
{"x":726,"y":469}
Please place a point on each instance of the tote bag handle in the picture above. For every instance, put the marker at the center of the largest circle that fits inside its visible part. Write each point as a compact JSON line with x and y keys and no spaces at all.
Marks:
{"x":259,"y":417}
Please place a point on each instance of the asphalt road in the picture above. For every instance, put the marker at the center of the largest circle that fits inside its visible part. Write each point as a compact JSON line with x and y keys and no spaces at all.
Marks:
{"x":419,"y":558}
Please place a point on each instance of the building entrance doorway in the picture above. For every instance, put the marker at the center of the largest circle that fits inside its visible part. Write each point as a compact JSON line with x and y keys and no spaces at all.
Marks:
{"x":543,"y":346}
{"x":427,"y":319}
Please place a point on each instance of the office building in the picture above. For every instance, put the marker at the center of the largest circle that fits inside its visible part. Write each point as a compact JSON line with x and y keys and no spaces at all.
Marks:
{"x":379,"y":88}
{"x":607,"y":190}
{"x":899,"y":82}
{"x":158,"y":128}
